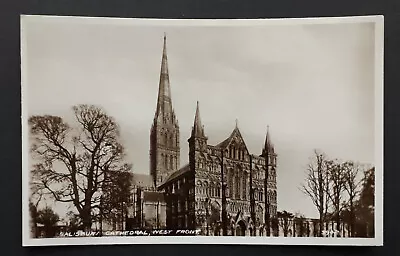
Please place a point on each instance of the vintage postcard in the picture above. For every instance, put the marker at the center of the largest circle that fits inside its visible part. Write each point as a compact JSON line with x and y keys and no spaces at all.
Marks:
{"x":142,"y":131}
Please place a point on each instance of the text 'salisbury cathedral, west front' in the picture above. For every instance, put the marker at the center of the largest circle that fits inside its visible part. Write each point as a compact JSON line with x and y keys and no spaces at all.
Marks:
{"x":213,"y":192}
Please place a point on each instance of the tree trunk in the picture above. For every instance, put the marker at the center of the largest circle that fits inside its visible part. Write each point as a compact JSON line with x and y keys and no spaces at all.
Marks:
{"x":294,"y":228}
{"x":321,"y":224}
{"x":285,"y":228}
{"x":86,"y":218}
{"x":338,"y":220}
{"x":101,"y":224}
{"x":343,"y":227}
{"x":351,"y":218}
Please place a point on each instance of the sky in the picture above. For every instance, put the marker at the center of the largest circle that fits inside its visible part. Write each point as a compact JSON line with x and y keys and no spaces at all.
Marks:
{"x":312,"y":84}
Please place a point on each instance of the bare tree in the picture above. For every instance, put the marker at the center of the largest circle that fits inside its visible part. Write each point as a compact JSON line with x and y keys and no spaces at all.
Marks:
{"x":337,"y":178}
{"x":316,"y":184}
{"x":352,"y":186}
{"x":72,"y":163}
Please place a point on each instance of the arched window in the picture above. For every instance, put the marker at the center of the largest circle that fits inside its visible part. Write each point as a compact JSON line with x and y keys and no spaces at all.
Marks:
{"x":171,"y":163}
{"x":166,"y":161}
{"x":245,"y":186}
{"x":237,"y":185}
{"x":205,"y":185}
{"x":230,"y":183}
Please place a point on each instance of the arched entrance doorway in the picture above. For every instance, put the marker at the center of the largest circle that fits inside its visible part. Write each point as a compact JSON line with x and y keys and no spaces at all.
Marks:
{"x":240,"y":229}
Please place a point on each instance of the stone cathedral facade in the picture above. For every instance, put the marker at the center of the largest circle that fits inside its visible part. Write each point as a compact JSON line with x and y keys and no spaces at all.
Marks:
{"x":193,"y":193}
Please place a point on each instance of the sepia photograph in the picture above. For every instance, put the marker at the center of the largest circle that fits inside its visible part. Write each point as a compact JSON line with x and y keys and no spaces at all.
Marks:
{"x":142,"y":131}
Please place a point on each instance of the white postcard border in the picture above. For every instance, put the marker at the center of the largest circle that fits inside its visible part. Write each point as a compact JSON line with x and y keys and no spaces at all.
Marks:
{"x":379,"y":82}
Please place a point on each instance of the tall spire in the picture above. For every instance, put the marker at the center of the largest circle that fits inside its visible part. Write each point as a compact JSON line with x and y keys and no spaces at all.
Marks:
{"x":267,"y":144}
{"x":164,"y":104}
{"x":164,"y":132}
{"x":198,"y":129}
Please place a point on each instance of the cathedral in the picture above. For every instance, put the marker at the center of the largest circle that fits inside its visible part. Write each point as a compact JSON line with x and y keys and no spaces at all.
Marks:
{"x":223,"y":189}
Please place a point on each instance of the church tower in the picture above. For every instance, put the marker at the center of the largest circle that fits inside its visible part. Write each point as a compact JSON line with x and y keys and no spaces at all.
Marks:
{"x":268,"y":153}
{"x":164,"y":133}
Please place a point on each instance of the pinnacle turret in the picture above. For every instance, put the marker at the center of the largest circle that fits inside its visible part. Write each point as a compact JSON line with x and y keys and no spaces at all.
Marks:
{"x":198,"y":128}
{"x":268,"y":145}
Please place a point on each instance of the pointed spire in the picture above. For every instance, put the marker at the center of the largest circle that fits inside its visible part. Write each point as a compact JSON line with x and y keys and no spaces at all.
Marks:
{"x":197,"y":120}
{"x":164,"y":105}
{"x":198,"y":129}
{"x":236,"y":123}
{"x":268,"y":142}
{"x":164,"y":62}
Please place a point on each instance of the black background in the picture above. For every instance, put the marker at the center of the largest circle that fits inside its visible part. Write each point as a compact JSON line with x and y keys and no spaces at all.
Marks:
{"x":10,"y":110}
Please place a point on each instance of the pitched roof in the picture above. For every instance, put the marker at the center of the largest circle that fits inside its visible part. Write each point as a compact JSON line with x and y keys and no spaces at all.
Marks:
{"x":176,"y":174}
{"x":228,"y":140}
{"x":224,"y":143}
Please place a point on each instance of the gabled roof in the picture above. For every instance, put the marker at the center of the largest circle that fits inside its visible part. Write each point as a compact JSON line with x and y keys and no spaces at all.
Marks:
{"x":224,"y":143}
{"x":176,"y":174}
{"x":234,"y":135}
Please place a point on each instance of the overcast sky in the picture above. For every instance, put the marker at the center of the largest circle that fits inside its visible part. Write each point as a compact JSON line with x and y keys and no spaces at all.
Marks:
{"x":312,"y":84}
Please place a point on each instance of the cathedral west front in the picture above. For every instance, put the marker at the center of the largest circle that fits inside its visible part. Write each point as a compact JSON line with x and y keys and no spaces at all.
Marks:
{"x":223,"y":189}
